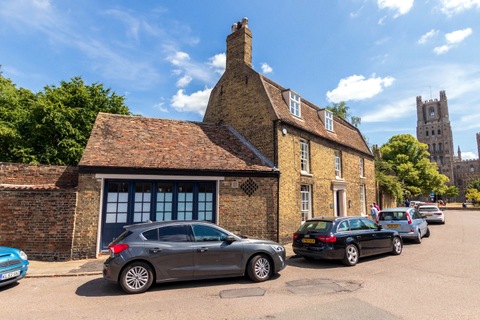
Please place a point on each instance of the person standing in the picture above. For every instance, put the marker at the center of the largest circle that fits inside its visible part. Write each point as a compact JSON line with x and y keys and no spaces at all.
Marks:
{"x":373,"y":212}
{"x":376,"y":206}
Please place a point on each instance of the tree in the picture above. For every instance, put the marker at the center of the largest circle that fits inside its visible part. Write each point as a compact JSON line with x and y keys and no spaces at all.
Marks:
{"x":474,"y":184}
{"x":451,"y":192}
{"x":341,"y":110}
{"x":473,"y":194}
{"x":406,"y":159}
{"x":52,"y":126}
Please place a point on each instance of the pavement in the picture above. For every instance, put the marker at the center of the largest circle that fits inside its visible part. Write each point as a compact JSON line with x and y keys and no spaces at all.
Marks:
{"x":85,"y":267}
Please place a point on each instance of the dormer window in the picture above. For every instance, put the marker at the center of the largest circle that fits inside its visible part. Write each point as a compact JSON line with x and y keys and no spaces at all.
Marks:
{"x":294,"y":102}
{"x":328,"y":120}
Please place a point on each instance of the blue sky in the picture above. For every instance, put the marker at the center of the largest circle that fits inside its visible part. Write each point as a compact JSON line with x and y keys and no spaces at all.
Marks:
{"x":166,"y":56}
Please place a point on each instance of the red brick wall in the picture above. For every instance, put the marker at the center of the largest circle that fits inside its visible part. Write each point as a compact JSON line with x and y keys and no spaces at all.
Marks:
{"x":37,"y":209}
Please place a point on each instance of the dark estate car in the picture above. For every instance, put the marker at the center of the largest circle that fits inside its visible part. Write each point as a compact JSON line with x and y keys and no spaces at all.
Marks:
{"x":344,"y":238}
{"x":187,"y":250}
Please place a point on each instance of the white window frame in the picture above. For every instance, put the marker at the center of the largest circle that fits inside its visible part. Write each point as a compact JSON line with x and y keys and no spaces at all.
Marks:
{"x":362,"y":167}
{"x":338,"y":164}
{"x":328,"y":120}
{"x":304,"y":156}
{"x":363,"y":200}
{"x":294,"y":104}
{"x":306,"y":202}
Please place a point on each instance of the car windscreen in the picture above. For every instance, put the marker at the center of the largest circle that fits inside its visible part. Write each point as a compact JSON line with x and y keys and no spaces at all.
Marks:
{"x":317,"y":226}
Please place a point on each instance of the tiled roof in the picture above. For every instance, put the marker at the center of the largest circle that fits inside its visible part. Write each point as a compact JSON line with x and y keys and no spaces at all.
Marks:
{"x":344,"y":133}
{"x":138,"y":142}
{"x":32,"y":187}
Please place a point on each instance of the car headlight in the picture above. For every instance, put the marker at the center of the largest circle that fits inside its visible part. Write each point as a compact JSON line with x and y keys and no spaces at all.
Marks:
{"x":23,"y":255}
{"x":277,"y":248}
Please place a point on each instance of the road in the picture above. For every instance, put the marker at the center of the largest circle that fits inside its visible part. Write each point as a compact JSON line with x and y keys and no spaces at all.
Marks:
{"x":438,"y":279}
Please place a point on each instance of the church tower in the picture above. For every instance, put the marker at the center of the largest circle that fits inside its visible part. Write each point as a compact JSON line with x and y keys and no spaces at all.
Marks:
{"x":433,"y":129}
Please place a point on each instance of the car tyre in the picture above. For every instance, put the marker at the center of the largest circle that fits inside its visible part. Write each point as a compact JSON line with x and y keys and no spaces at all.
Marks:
{"x":418,"y":240}
{"x":427,"y":234}
{"x":351,"y":255}
{"x":397,"y":246}
{"x":259,"y":268}
{"x":137,"y":277}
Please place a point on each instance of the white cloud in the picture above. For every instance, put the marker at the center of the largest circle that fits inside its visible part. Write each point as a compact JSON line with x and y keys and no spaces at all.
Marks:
{"x":358,"y":88}
{"x":178,"y":58}
{"x":452,"y":7}
{"x":396,"y":110}
{"x":453,"y":39}
{"x":266,"y":68}
{"x":468,"y":155}
{"x":196,"y":102}
{"x":218,"y":63}
{"x":400,"y":7}
{"x":184,"y":81}
{"x":427,"y":36}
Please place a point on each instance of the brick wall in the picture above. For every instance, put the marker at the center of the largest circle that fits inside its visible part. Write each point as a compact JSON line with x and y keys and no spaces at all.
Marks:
{"x":254,"y":215}
{"x":37,"y":209}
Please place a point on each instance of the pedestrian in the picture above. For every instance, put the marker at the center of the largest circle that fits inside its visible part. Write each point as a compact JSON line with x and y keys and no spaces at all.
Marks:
{"x":407,"y":203}
{"x":373,"y":212}
{"x":376,"y":206}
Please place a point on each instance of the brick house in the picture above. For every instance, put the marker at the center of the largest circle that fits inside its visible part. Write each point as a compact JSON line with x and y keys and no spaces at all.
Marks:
{"x":326,"y":167}
{"x":263,"y":160}
{"x":136,"y":169}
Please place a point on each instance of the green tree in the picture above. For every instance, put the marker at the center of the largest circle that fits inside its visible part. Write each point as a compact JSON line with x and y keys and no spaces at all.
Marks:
{"x":342,"y":110}
{"x":451,"y":192}
{"x":408,"y":161}
{"x":474,"y":184}
{"x":473,"y":194}
{"x":52,"y":126}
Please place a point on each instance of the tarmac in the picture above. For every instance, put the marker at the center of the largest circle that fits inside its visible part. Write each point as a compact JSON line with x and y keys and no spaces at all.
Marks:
{"x":85,"y":267}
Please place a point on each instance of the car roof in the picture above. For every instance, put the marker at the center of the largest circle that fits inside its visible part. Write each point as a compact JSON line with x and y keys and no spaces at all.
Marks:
{"x":332,"y":218}
{"x":427,"y":206}
{"x":396,"y":209}
{"x":153,"y":224}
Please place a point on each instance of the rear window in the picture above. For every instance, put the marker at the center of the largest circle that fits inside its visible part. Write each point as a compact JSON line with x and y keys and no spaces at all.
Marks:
{"x":428,"y":209}
{"x":393,"y":215}
{"x":320,"y":226}
{"x":125,"y":234}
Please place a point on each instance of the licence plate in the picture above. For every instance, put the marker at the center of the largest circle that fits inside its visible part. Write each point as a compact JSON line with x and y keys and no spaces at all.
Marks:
{"x":393,"y":226}
{"x":9,"y":275}
{"x":428,"y":215}
{"x":305,"y":240}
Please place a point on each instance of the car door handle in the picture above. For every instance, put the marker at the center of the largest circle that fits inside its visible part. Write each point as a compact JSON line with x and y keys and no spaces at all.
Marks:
{"x":155,"y":250}
{"x":202,"y":249}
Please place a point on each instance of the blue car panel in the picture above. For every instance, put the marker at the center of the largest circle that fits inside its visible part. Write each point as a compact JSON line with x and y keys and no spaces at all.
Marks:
{"x":13,"y":265}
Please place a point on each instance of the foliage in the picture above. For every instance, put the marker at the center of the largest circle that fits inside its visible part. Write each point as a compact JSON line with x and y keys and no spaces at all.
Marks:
{"x":474,"y":184}
{"x":473,"y":194}
{"x":52,"y":126}
{"x":406,"y":160}
{"x":341,"y":110}
{"x":451,"y":192}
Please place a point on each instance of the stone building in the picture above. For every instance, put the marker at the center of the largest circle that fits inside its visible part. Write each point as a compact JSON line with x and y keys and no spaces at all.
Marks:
{"x":326,"y":168}
{"x":434,"y":129}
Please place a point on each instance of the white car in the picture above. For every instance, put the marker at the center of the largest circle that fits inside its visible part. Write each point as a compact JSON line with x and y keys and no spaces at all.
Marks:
{"x":432,"y":213}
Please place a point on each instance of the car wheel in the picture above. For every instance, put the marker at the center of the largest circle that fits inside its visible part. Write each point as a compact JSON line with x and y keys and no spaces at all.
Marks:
{"x":397,"y":246}
{"x":137,"y":277}
{"x":351,"y":255}
{"x":259,"y":268}
{"x":419,"y":237}
{"x":428,"y":233}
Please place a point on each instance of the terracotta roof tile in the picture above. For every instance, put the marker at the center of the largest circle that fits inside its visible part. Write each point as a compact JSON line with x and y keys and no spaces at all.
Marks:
{"x":344,"y":133}
{"x":138,"y":142}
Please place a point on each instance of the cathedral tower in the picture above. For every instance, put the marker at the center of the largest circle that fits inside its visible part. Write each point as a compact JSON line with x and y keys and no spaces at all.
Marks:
{"x":433,"y":129}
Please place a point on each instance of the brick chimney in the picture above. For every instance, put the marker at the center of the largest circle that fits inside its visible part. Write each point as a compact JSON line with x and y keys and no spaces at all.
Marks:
{"x":239,"y":45}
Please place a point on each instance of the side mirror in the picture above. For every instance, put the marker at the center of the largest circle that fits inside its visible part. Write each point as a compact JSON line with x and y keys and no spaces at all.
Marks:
{"x":379,"y":227}
{"x":230,"y":239}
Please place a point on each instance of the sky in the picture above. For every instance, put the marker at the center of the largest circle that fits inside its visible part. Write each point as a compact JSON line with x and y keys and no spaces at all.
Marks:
{"x":165,"y":56}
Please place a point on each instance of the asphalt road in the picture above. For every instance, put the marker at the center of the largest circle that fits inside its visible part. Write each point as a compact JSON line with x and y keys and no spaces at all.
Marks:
{"x":438,"y":279}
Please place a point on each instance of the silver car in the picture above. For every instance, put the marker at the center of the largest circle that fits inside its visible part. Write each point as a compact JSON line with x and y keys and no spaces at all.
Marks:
{"x":407,"y":221}
{"x":187,"y":250}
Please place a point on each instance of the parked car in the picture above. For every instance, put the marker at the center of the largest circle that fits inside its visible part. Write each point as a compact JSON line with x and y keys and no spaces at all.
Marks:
{"x":344,"y":238}
{"x":187,"y":250}
{"x":432,"y":213}
{"x":13,"y":265}
{"x":407,"y":221}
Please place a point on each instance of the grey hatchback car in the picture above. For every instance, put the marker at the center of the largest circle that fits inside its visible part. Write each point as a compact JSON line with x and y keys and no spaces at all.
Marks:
{"x":187,"y":250}
{"x":406,"y":220}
